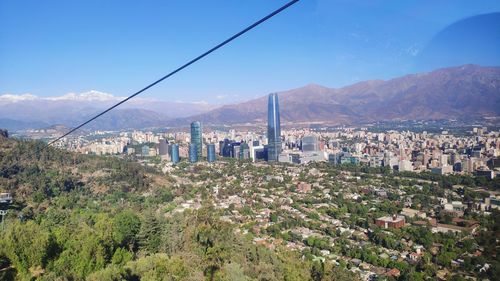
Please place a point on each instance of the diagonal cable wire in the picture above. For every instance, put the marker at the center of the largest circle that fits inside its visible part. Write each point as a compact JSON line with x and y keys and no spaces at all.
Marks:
{"x":250,"y":27}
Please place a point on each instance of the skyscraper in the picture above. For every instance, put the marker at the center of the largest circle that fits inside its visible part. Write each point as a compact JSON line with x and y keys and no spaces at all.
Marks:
{"x":225,"y":148}
{"x":211,"y":152}
{"x":193,"y":153}
{"x":244,"y":151}
{"x":197,"y":137}
{"x":273,"y":128}
{"x":163,"y":147}
{"x":174,"y":153}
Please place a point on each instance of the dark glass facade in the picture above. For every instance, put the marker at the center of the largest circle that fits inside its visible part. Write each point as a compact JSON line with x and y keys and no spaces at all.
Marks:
{"x":211,"y":152}
{"x":273,"y":129}
{"x":225,"y":148}
{"x":197,"y":137}
{"x":174,"y":153}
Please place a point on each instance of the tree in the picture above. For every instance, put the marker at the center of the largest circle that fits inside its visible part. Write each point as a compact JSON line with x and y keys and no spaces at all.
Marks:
{"x":28,"y":247}
{"x":232,"y":272}
{"x":338,"y":273}
{"x":110,"y":273}
{"x":83,"y":252}
{"x":159,"y":267}
{"x":126,"y":225}
{"x":121,"y":256}
{"x":149,"y":236}
{"x":444,"y":258}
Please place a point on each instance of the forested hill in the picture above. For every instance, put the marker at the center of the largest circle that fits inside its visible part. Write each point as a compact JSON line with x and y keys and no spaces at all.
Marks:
{"x":78,"y":217}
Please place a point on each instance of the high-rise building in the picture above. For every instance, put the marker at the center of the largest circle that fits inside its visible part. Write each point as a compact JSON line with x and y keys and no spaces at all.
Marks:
{"x":244,"y":152}
{"x":257,"y":153}
{"x":211,"y":152}
{"x":163,"y":147}
{"x":193,"y":153}
{"x":225,"y":148}
{"x":174,"y":153}
{"x":197,"y":137}
{"x":273,"y":128}
{"x":310,"y":144}
{"x":234,"y":149}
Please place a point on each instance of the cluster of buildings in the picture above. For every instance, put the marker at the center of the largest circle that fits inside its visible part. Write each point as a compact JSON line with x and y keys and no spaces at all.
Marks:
{"x":195,"y":147}
{"x":171,"y":152}
{"x":442,"y":153}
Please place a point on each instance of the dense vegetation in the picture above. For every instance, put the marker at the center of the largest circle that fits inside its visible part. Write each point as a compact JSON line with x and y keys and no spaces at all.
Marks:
{"x":79,"y":217}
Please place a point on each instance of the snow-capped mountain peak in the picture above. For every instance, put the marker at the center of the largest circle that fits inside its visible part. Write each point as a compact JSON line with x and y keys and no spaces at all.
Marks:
{"x":17,"y":98}
{"x":86,"y":96}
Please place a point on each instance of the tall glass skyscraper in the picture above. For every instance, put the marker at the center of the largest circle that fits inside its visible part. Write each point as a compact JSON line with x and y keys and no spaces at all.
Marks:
{"x":197,"y":136}
{"x":211,"y":152}
{"x":174,"y":153}
{"x":273,"y":128}
{"x":193,"y":153}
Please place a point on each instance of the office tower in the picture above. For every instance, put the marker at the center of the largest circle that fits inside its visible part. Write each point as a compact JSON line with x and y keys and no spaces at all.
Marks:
{"x":193,"y":153}
{"x":174,"y":153}
{"x":221,"y":148}
{"x":257,"y":153}
{"x":273,"y":129}
{"x":211,"y":152}
{"x":244,"y":152}
{"x":163,"y":147}
{"x":236,"y":151}
{"x":224,"y":147}
{"x":310,"y":144}
{"x":197,"y":137}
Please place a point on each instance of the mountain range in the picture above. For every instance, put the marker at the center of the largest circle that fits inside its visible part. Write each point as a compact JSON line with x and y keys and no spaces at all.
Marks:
{"x":31,"y":112}
{"x":451,"y":93}
{"x":468,"y":91}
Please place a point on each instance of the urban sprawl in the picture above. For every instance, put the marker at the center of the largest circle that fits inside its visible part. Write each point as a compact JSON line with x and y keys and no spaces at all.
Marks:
{"x":377,"y":203}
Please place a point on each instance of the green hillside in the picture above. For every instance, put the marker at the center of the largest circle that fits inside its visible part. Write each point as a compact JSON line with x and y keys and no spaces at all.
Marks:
{"x":78,"y":217}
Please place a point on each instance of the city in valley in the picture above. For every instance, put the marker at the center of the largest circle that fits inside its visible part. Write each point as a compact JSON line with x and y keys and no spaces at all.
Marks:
{"x":376,"y":202}
{"x":249,"y":140}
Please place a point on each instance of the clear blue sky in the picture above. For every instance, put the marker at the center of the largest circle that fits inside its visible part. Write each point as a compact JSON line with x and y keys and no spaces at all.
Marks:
{"x":54,"y":47}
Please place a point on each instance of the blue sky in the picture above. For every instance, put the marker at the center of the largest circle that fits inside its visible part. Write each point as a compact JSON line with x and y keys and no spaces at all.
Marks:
{"x":52,"y":47}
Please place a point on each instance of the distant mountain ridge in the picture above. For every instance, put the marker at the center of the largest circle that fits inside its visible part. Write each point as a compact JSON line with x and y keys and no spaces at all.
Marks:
{"x":449,"y":93}
{"x":28,"y":111}
{"x":466,"y":91}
